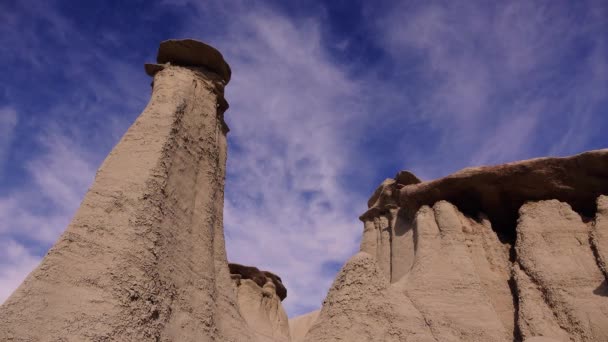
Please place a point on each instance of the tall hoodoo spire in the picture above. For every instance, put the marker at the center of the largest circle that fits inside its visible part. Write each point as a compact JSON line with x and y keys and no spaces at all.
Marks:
{"x":144,"y":257}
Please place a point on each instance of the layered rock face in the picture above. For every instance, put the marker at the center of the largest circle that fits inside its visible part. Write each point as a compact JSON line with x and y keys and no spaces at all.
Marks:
{"x":144,"y":257}
{"x":506,"y":253}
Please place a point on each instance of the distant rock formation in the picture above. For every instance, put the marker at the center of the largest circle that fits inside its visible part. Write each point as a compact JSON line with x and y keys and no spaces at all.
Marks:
{"x":504,"y":253}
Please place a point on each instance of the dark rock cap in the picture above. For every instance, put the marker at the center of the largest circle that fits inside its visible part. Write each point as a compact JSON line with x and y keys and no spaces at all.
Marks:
{"x":499,"y":191}
{"x":259,"y":277}
{"x":190,"y":52}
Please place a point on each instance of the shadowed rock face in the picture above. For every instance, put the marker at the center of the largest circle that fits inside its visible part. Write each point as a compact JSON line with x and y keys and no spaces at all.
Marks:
{"x":259,"y":277}
{"x":514,"y":252}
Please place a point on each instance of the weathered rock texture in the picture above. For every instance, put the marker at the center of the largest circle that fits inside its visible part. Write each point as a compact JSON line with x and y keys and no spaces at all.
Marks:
{"x":144,"y":257}
{"x":504,"y":253}
{"x":259,"y":296}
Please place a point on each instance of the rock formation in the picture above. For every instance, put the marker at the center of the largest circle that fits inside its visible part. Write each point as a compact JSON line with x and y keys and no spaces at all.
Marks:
{"x":259,"y":295}
{"x":144,"y":257}
{"x":504,"y":253}
{"x":516,"y":252}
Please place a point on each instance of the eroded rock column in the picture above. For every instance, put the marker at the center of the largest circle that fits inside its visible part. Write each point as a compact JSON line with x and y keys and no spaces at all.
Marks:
{"x":144,"y":258}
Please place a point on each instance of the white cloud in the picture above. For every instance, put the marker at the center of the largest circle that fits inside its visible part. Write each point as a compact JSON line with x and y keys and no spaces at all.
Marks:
{"x":493,"y":72}
{"x":41,"y":210}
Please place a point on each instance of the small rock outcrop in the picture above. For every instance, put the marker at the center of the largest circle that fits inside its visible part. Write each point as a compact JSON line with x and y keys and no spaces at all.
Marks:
{"x":259,"y":277}
{"x":515,"y":252}
{"x":259,"y":296}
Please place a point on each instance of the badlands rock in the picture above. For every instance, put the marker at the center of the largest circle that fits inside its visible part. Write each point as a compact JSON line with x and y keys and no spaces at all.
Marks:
{"x":144,"y":257}
{"x":259,"y":277}
{"x":259,"y":296}
{"x":361,"y":306}
{"x":504,"y":253}
{"x":554,"y":250}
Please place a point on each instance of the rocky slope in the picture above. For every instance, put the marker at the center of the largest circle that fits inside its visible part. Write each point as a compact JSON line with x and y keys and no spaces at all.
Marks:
{"x":504,"y":253}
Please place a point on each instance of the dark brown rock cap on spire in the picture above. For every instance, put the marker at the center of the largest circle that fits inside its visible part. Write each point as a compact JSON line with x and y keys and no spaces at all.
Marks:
{"x":190,"y":52}
{"x":259,"y":277}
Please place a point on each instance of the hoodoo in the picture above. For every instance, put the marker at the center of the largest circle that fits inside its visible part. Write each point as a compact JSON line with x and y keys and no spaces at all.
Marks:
{"x":144,"y":257}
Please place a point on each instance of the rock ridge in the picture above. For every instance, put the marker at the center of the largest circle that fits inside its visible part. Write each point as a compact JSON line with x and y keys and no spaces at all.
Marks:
{"x":513,"y":252}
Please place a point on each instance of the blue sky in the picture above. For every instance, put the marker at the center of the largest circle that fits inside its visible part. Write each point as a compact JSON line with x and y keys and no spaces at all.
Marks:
{"x":327,"y":100}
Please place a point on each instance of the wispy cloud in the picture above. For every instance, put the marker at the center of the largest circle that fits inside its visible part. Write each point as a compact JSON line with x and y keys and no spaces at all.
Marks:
{"x":484,"y":69}
{"x":295,"y":116}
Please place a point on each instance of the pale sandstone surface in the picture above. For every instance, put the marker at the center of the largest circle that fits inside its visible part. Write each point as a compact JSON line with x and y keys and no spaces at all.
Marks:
{"x":262,"y":310}
{"x":361,"y":306}
{"x":144,"y":258}
{"x":300,"y":325}
{"x":445,"y":282}
{"x":540,"y":339}
{"x":554,"y":250}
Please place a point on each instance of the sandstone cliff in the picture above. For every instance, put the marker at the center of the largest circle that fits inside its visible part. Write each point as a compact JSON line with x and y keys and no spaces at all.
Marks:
{"x":505,"y":253}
